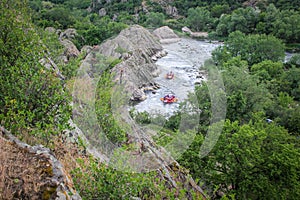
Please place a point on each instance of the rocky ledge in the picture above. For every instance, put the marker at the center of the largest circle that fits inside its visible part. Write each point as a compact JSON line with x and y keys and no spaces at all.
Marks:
{"x":31,"y":172}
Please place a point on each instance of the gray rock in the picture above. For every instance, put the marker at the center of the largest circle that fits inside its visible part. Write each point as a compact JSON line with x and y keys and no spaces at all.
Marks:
{"x":186,"y":30}
{"x":69,"y":34}
{"x":86,"y":49}
{"x":172,"y":11}
{"x":166,"y":35}
{"x":71,"y":50}
{"x":102,"y":12}
{"x":138,"y":95}
{"x":50,"y":29}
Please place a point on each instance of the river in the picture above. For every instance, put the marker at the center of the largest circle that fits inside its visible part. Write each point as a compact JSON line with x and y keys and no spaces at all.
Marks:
{"x":185,"y":59}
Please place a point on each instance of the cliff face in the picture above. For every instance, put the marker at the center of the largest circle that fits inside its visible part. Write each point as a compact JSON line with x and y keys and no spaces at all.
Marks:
{"x":28,"y":172}
{"x":137,"y":48}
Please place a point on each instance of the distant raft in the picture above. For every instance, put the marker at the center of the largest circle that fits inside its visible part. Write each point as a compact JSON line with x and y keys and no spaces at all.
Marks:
{"x":169,"y":75}
{"x":169,"y":98}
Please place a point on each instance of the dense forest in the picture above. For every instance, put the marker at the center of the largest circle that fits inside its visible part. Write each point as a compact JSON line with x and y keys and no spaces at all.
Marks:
{"x":257,"y":155}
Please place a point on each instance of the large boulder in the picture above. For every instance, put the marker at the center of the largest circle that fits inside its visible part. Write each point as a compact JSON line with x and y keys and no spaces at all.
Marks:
{"x":194,"y":34}
{"x":138,"y":95}
{"x":50,"y":29}
{"x":172,"y":11}
{"x":71,"y":50}
{"x":186,"y":30}
{"x":69,"y":34}
{"x":102,"y":12}
{"x":166,"y":35}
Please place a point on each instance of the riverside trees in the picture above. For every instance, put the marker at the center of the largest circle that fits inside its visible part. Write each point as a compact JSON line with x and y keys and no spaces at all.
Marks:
{"x":256,"y":160}
{"x":251,"y":48}
{"x":253,"y":158}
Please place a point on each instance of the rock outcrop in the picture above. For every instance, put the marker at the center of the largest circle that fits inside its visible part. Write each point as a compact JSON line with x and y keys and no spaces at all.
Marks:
{"x":166,"y":35}
{"x":171,"y":10}
{"x":31,"y":172}
{"x":102,"y":12}
{"x":138,"y":49}
{"x":71,"y":50}
{"x":65,"y":38}
{"x":69,"y":34}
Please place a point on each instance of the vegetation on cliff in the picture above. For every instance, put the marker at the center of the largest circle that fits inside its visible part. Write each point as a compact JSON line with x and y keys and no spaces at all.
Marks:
{"x":257,"y":155}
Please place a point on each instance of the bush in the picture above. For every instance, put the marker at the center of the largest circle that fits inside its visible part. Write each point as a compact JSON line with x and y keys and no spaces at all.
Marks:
{"x":155,"y":20}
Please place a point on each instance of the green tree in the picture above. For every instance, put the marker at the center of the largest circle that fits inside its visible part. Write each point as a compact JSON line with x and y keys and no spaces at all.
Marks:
{"x":294,"y":61}
{"x":266,"y":25}
{"x":241,"y":19}
{"x":290,"y":83}
{"x":253,"y":161}
{"x":287,"y":26}
{"x":59,"y":17}
{"x":268,"y":70}
{"x":155,"y":19}
{"x":199,"y":19}
{"x":218,"y":10}
{"x":252,"y":48}
{"x":243,"y":97}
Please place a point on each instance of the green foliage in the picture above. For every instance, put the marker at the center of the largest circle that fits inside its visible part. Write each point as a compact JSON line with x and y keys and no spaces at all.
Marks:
{"x":252,"y":48}
{"x":97,"y":181}
{"x":244,"y":97}
{"x":173,"y":122}
{"x":79,"y":4}
{"x":95,"y":30}
{"x":283,"y":24}
{"x":155,"y":20}
{"x":266,"y":25}
{"x":35,"y":5}
{"x":94,"y":180}
{"x":199,"y":19}
{"x":155,"y":6}
{"x":241,"y":19}
{"x":106,"y":119}
{"x":285,"y":4}
{"x":294,"y":61}
{"x":142,"y":117}
{"x":253,"y":161}
{"x":175,"y":24}
{"x":268,"y":70}
{"x":31,"y":97}
{"x":218,"y":10}
{"x":58,"y":17}
{"x":290,"y":83}
{"x":287,"y":26}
